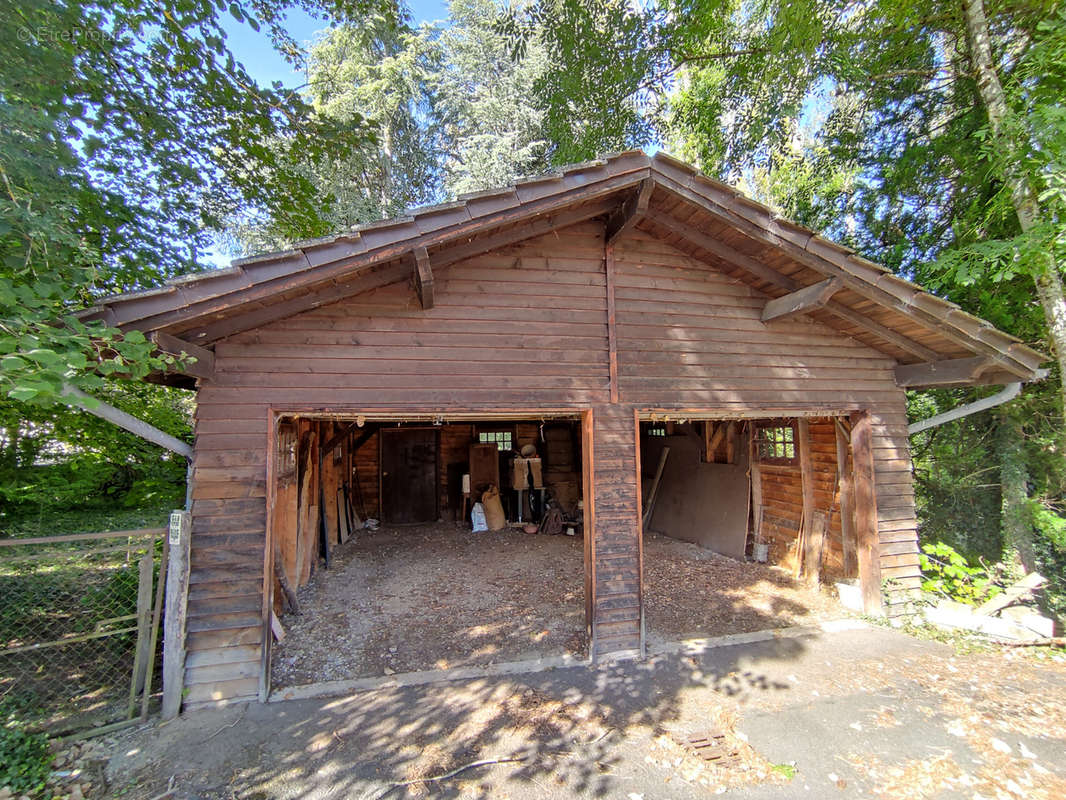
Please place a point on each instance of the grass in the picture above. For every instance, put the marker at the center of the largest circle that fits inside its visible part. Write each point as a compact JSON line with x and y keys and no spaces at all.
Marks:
{"x":53,"y":522}
{"x":60,"y":591}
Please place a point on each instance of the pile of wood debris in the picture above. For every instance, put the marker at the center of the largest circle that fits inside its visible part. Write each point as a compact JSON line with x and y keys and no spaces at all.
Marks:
{"x":1010,"y":617}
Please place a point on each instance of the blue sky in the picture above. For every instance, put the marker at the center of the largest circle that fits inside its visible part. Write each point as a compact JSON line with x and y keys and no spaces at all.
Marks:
{"x":265,"y":64}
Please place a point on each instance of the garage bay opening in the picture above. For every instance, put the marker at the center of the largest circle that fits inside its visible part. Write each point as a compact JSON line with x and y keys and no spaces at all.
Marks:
{"x":743,"y":521}
{"x":424,"y":543}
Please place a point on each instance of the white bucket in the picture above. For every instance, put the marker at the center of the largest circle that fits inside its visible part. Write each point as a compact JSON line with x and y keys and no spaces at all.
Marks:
{"x":761,"y":551}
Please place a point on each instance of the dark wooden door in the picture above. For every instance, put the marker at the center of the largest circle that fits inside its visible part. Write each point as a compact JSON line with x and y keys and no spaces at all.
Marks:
{"x":408,"y":476}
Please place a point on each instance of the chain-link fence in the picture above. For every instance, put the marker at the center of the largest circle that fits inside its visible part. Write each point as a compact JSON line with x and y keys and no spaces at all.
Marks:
{"x":79,"y":627}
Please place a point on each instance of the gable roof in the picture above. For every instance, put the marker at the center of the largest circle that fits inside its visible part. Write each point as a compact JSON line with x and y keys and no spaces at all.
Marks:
{"x":658,"y":194}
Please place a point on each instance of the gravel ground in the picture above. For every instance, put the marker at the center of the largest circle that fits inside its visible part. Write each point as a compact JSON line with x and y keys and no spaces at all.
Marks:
{"x":437,"y":596}
{"x":691,"y":592}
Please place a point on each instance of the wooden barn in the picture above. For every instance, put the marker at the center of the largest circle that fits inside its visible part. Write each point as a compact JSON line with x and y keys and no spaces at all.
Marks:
{"x":623,"y":333}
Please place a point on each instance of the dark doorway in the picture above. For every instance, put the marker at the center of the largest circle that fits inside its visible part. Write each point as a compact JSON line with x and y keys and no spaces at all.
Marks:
{"x":409,"y":475}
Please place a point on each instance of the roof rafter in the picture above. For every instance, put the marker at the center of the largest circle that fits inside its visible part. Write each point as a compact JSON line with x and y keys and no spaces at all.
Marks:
{"x":951,"y":372}
{"x":629,"y":213}
{"x":383,"y":275}
{"x":812,"y":254}
{"x":423,"y":278}
{"x":760,"y":270}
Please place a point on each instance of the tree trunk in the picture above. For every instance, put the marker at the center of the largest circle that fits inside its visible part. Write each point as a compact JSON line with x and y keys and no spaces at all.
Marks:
{"x":1049,"y":288}
{"x":1016,"y":526}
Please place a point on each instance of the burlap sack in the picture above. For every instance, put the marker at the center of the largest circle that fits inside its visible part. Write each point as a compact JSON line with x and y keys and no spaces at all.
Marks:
{"x":494,"y":516}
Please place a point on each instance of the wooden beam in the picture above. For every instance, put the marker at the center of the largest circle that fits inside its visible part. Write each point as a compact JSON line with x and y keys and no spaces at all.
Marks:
{"x":202,"y":367}
{"x":423,"y":278}
{"x":384,"y":274}
{"x":76,"y":397}
{"x":866,"y":535}
{"x":759,"y":270}
{"x":813,"y":546}
{"x":824,"y":258}
{"x":713,"y":433}
{"x":881,"y":331}
{"x":800,"y":301}
{"x":720,"y":249}
{"x":847,"y":506}
{"x":174,"y":615}
{"x":952,"y":372}
{"x":612,"y":334}
{"x":630,"y":212}
{"x":803,"y":454}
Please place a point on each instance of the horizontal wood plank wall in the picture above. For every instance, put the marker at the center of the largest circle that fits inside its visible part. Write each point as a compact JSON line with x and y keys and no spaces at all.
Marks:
{"x":524,"y":327}
{"x":689,"y":337}
{"x":897,"y":523}
{"x":226,"y":572}
{"x":617,"y":542}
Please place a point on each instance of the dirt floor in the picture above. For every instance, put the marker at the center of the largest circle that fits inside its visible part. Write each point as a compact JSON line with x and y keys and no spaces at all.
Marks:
{"x":436,"y":596}
{"x":406,"y":599}
{"x":857,"y":711}
{"x":690,"y":592}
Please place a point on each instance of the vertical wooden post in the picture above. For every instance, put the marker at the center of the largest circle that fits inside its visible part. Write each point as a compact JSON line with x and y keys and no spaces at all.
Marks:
{"x":640,"y":533}
{"x":803,"y":451}
{"x":588,"y":471}
{"x":755,"y":476}
{"x":866,"y":512}
{"x":144,"y":625}
{"x":157,"y":618}
{"x":612,"y":341}
{"x":847,"y":503}
{"x":174,"y":619}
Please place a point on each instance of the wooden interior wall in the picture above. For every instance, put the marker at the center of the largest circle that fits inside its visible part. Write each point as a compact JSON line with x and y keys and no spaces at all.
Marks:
{"x":783,"y":502}
{"x":365,"y":481}
{"x":524,"y":327}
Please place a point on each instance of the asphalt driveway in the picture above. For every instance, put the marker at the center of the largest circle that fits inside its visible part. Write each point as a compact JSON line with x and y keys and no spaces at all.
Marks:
{"x":850,"y":712}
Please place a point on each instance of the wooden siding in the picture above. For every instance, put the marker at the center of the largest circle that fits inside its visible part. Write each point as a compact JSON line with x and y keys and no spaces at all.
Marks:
{"x":689,"y":337}
{"x":782,"y":494}
{"x":524,"y":327}
{"x":617,"y":534}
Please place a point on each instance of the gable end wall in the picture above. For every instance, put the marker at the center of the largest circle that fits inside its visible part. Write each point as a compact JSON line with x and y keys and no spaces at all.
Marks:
{"x":523,"y":328}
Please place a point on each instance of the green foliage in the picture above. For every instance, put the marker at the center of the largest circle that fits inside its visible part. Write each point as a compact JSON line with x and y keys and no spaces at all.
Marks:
{"x":61,"y":457}
{"x":947,"y":573}
{"x":129,"y":135}
{"x":25,"y":760}
{"x":446,"y":101}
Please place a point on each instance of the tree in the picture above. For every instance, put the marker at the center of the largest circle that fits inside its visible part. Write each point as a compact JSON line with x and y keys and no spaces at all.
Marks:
{"x":128,"y":136}
{"x":929,"y":136}
{"x":448,"y":106}
{"x":491,"y":133}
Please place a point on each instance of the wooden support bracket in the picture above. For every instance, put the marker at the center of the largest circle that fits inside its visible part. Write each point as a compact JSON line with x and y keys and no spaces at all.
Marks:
{"x":423,"y":278}
{"x":629,"y":213}
{"x":953,"y":372}
{"x":801,"y":301}
{"x":202,"y":367}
